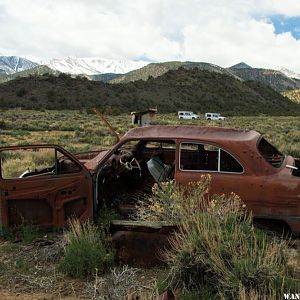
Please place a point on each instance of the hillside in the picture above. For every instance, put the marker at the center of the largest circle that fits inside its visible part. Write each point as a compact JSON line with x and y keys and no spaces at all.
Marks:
{"x":105,"y":77}
{"x":36,"y":71}
{"x":158,"y":69}
{"x":294,"y":95}
{"x":182,"y":89}
{"x":275,"y":79}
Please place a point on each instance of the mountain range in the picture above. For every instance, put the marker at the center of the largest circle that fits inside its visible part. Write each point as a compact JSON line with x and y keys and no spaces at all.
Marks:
{"x":121,"y":71}
{"x":14,"y":64}
{"x":92,"y":65}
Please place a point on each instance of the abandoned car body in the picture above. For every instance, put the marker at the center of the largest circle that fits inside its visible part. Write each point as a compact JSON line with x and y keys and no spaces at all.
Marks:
{"x":68,"y":185}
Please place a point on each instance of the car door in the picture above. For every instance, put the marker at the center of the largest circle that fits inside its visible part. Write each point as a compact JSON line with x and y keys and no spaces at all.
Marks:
{"x":43,"y":185}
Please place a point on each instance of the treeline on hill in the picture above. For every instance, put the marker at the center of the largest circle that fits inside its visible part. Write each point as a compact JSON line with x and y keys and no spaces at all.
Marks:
{"x":181,"y":89}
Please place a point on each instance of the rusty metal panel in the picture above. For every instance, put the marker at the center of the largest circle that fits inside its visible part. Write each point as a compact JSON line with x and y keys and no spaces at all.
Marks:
{"x":47,"y":200}
{"x":140,"y":244}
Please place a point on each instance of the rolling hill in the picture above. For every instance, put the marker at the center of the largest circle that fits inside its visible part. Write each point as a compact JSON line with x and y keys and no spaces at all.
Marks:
{"x":36,"y":71}
{"x":181,"y":89}
{"x":275,"y":79}
{"x":158,"y":69}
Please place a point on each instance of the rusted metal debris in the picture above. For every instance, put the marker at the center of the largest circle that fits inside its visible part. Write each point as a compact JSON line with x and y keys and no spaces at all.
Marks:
{"x":107,"y":123}
{"x":168,"y":295}
{"x":238,"y":161}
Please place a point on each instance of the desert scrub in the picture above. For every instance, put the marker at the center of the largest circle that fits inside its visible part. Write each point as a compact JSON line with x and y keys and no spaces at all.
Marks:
{"x":167,"y":200}
{"x":216,"y":248}
{"x":15,"y":162}
{"x":121,"y":283}
{"x":87,"y":249}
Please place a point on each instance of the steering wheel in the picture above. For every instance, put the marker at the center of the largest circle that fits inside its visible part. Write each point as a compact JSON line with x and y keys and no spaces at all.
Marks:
{"x":128,"y":160}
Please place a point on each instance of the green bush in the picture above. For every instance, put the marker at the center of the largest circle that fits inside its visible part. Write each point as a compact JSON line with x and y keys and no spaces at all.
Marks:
{"x":21,"y":92}
{"x":29,"y":233}
{"x":216,"y":248}
{"x":87,"y":250}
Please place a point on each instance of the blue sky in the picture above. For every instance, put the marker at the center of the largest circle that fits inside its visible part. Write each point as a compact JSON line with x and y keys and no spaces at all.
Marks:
{"x":287,"y":24}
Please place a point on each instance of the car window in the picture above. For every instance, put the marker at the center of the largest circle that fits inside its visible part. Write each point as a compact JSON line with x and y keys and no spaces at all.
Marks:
{"x":229,"y":164}
{"x":160,"y":145}
{"x":205,"y":157}
{"x":24,"y":163}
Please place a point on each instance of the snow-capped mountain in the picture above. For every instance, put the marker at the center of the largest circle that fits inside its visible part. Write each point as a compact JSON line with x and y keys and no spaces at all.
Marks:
{"x":288,"y":72}
{"x":13,"y":64}
{"x":92,"y":65}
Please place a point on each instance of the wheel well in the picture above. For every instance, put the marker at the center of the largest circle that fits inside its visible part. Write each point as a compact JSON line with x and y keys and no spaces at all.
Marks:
{"x":276,"y":226}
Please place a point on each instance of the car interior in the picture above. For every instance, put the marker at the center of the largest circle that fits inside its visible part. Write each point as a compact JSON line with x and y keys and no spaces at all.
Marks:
{"x":130,"y":173}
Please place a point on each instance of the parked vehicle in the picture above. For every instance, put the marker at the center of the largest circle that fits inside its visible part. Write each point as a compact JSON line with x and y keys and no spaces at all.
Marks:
{"x":66,"y":185}
{"x":187,"y":115}
{"x":214,"y":117}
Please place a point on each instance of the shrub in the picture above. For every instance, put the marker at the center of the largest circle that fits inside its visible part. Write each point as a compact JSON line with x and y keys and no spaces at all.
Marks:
{"x":216,"y":248}
{"x":21,"y":92}
{"x":120,"y":283}
{"x":29,"y":233}
{"x":3,"y":125}
{"x":87,"y":250}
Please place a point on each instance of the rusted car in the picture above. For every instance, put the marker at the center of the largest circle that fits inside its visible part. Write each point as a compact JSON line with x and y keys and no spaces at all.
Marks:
{"x":59,"y":184}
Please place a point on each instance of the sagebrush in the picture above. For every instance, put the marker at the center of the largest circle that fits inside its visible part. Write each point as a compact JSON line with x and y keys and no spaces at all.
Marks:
{"x":217,"y":251}
{"x":87,"y":250}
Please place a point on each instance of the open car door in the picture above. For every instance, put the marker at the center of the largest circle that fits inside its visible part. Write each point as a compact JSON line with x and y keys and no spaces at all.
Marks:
{"x":43,"y":185}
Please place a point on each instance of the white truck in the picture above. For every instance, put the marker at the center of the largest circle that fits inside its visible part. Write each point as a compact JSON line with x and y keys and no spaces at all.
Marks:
{"x":214,"y":117}
{"x":187,"y":115}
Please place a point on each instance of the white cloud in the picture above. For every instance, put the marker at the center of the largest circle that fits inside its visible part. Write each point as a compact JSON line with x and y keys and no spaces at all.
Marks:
{"x":218,"y":31}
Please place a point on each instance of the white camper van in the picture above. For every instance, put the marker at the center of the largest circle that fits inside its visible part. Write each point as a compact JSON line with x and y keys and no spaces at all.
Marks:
{"x":214,"y":117}
{"x":187,"y":115}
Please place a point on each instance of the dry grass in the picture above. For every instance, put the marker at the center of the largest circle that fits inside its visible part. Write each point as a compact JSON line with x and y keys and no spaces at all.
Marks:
{"x":122,"y":283}
{"x":78,"y":131}
{"x":14,"y":163}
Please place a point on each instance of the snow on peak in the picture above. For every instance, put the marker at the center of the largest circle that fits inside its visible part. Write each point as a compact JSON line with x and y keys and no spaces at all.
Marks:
{"x":92,"y":65}
{"x":13,"y":64}
{"x":288,"y":72}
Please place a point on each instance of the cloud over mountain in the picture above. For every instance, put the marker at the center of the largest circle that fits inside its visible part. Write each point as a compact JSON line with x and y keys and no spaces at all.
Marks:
{"x":219,"y":31}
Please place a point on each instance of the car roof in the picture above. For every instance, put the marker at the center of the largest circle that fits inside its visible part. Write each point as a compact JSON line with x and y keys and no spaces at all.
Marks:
{"x":193,"y":133}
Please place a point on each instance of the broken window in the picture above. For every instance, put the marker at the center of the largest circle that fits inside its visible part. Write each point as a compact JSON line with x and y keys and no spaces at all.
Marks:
{"x":270,"y":153}
{"x":24,"y":163}
{"x":205,"y":157}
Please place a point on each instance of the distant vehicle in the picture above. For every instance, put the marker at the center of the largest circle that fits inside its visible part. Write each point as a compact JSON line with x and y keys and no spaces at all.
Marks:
{"x":214,"y":116}
{"x":187,"y":115}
